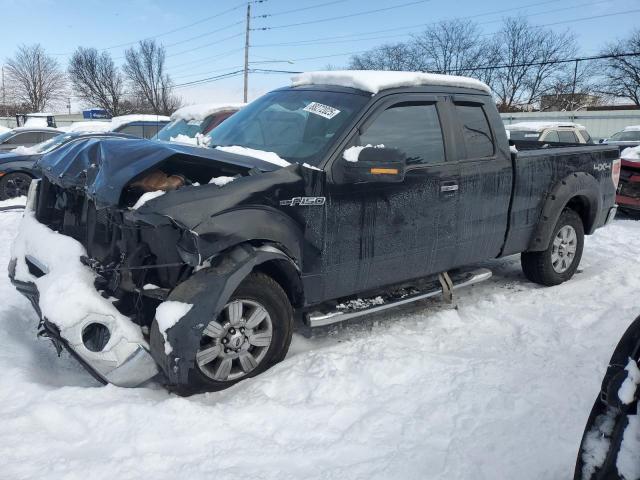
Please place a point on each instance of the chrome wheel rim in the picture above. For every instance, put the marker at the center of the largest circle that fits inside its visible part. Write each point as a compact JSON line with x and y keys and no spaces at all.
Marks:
{"x":235,"y":343}
{"x":563,"y":252}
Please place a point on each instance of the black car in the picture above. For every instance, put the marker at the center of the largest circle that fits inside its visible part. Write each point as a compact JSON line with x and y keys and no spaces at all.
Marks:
{"x":26,"y":137}
{"x":318,"y":203}
{"x":609,"y":447}
{"x":17,"y":168}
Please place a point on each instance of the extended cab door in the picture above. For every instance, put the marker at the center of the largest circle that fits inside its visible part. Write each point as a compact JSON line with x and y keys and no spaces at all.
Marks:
{"x":383,"y":233}
{"x":486,"y":176}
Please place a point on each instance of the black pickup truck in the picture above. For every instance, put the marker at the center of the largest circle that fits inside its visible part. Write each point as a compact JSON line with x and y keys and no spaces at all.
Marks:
{"x":319,"y":202}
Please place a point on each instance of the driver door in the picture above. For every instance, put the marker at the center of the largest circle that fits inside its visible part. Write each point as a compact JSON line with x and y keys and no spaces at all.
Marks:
{"x":384,"y":233}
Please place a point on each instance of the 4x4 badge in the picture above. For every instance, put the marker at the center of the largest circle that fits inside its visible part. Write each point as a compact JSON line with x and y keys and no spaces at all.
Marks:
{"x":303,"y":201}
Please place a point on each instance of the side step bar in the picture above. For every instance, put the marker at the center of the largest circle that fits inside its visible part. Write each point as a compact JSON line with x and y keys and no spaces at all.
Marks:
{"x":319,"y":319}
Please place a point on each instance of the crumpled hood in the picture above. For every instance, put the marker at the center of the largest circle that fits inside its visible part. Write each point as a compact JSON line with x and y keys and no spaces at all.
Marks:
{"x":104,"y":166}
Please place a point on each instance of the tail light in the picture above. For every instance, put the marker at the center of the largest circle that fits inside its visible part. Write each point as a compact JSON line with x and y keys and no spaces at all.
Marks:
{"x":615,"y":172}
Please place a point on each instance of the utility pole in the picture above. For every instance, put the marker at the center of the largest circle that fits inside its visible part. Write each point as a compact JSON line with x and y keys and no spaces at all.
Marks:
{"x":4,"y":97}
{"x":573,"y":88}
{"x":246,"y":53}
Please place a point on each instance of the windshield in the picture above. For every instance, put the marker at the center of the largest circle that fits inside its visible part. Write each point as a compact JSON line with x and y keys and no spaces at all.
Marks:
{"x":630,"y":136}
{"x":51,"y":144}
{"x":528,"y":135}
{"x":297,"y":125}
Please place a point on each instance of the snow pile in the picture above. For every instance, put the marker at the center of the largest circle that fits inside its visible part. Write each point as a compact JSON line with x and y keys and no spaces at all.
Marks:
{"x":204,"y":110}
{"x":374,"y":81}
{"x":596,"y":443}
{"x":89,"y":126}
{"x":22,"y":150}
{"x":167,"y":315}
{"x":627,"y":391}
{"x":513,"y":149}
{"x":270,"y":157}
{"x":199,"y":140}
{"x":145,"y":197}
{"x":221,"y":181}
{"x":539,"y":126}
{"x":67,"y":293}
{"x":35,"y":122}
{"x":631,"y":154}
{"x":628,"y":462}
{"x":352,"y":154}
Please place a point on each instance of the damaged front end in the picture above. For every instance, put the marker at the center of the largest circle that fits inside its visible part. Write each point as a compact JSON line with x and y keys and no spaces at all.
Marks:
{"x":96,"y":261}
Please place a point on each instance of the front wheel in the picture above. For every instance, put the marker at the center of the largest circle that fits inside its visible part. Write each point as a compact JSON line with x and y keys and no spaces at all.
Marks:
{"x":251,"y":334}
{"x":14,"y":185}
{"x":560,"y":260}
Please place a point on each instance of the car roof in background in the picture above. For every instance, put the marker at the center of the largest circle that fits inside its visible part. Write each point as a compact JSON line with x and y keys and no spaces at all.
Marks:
{"x":539,"y":126}
{"x":201,"y":111}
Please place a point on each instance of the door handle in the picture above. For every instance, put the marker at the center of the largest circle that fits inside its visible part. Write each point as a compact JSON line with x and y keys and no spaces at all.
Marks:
{"x":449,"y":187}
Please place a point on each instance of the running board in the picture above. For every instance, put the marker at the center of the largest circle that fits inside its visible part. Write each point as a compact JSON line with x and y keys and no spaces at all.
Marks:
{"x":319,"y":319}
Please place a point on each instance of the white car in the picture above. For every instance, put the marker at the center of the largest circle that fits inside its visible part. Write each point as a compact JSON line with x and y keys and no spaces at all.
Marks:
{"x":548,"y":132}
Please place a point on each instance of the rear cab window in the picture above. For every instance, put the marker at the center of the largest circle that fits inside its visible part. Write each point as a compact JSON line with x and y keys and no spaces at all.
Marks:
{"x":476,"y":131}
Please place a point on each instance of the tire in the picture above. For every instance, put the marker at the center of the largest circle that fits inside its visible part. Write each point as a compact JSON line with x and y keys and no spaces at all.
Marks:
{"x":559,"y":262}
{"x":14,"y":185}
{"x":257,"y":290}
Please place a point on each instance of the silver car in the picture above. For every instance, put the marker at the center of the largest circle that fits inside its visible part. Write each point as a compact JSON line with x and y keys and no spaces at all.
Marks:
{"x":26,"y":137}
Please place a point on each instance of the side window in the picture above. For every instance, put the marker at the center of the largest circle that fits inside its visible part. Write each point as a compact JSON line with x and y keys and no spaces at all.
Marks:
{"x":476,"y":131}
{"x":135,"y":130}
{"x":411,"y":127}
{"x":44,"y":136}
{"x":586,"y":136}
{"x":27,"y":138}
{"x":567,"y":136}
{"x":551,"y":137}
{"x":151,"y":129}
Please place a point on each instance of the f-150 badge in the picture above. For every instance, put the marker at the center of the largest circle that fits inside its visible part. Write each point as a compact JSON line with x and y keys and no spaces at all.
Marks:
{"x":303,"y":201}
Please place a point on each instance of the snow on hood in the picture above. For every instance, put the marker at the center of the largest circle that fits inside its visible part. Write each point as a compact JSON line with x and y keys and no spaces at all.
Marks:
{"x":259,"y":154}
{"x":199,"y":140}
{"x":374,"y":80}
{"x":204,"y":110}
{"x":22,"y":150}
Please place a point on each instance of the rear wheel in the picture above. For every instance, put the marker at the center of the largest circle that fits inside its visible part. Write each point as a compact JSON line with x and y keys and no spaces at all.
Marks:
{"x":14,"y":185}
{"x":560,"y":260}
{"x":251,"y":334}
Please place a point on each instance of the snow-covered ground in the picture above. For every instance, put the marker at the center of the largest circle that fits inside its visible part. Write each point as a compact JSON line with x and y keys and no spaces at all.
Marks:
{"x":497,"y":387}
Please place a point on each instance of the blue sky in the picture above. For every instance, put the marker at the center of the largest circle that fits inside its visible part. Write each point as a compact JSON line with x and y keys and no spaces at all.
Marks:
{"x":62,"y":25}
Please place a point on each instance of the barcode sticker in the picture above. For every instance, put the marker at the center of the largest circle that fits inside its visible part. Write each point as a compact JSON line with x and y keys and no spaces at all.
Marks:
{"x":323,"y":110}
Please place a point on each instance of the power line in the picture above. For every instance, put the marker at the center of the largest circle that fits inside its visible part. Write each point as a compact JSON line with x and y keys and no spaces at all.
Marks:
{"x":206,"y":45}
{"x":269,"y":15}
{"x":366,"y":12}
{"x":206,"y":34}
{"x":201,"y":60}
{"x":355,"y":37}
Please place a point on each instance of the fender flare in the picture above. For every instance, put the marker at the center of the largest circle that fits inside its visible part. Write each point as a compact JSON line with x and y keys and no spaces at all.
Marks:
{"x":208,"y":290}
{"x":576,"y":185}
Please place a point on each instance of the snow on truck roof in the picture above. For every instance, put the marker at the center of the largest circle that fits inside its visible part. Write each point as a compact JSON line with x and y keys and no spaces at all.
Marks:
{"x":539,"y":126}
{"x":203,"y":110}
{"x":374,"y":81}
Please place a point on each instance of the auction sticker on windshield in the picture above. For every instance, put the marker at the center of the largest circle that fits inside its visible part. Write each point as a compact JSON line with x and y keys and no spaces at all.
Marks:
{"x":323,"y":110}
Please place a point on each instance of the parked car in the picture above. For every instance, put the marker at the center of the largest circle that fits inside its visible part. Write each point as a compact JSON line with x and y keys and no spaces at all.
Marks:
{"x":18,"y":167}
{"x":143,"y":126}
{"x":609,"y":447}
{"x":628,"y":196}
{"x":25,"y":137}
{"x":629,"y":137}
{"x":347,"y":193}
{"x":548,"y":132}
{"x":190,"y":124}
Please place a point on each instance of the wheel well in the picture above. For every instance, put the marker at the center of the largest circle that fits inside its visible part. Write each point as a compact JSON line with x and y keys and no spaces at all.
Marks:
{"x":287,"y":277}
{"x":581,"y":206}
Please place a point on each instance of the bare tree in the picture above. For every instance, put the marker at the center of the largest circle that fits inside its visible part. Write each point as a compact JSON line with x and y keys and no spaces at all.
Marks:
{"x":572,"y":89}
{"x":97,"y":80}
{"x":397,"y":56}
{"x":35,"y":78}
{"x":144,"y":67}
{"x":621,"y":76}
{"x":530,"y":57}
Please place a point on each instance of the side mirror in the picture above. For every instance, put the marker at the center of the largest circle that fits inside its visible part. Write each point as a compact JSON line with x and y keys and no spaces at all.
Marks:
{"x":375,"y":165}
